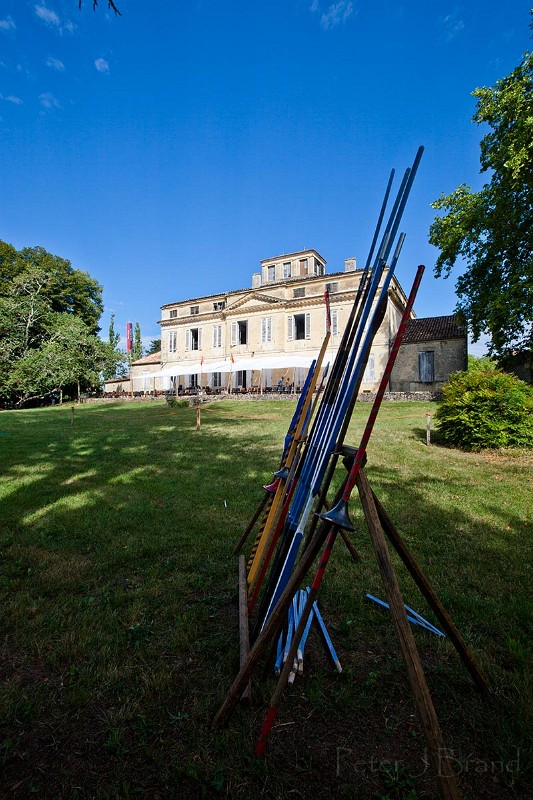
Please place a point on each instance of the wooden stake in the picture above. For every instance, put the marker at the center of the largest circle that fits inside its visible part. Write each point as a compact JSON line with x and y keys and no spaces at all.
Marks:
{"x":72,"y":409}
{"x":424,"y":704}
{"x":428,"y":428}
{"x":244,"y":631}
{"x":198,"y":419}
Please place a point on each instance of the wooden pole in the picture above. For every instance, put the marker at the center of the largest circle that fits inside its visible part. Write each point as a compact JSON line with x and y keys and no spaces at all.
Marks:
{"x":428,"y":428}
{"x":198,"y":419}
{"x":424,"y":704}
{"x":244,"y":631}
{"x":427,"y":590}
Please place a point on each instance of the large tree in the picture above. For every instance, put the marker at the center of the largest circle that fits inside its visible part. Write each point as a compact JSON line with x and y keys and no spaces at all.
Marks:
{"x":492,"y":229}
{"x":49,"y":315}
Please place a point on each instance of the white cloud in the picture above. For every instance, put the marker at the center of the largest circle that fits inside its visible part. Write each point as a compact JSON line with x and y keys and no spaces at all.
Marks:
{"x":47,"y":15}
{"x":7,"y":24}
{"x":49,"y":101}
{"x":52,"y":19}
{"x":101,"y":65}
{"x":336,"y":14}
{"x":55,"y":63}
{"x":12,"y":98}
{"x":452,"y":25}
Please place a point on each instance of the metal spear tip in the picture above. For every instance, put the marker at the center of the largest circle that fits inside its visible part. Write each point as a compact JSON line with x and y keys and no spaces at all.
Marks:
{"x":282,"y":473}
{"x":338,"y":515}
{"x":272,"y":487}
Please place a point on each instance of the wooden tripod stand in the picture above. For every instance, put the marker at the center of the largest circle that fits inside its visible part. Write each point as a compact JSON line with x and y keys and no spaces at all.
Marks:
{"x":381,"y":528}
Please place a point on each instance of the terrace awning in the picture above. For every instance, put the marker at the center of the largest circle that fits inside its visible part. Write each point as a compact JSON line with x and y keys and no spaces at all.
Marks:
{"x":258,"y":362}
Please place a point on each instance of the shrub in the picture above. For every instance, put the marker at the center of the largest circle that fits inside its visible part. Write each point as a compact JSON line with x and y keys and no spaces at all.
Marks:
{"x":486,"y":408}
{"x":173,"y":402}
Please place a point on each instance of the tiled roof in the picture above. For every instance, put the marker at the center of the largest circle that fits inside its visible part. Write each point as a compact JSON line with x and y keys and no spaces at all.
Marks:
{"x":428,"y":329}
{"x":153,"y":358}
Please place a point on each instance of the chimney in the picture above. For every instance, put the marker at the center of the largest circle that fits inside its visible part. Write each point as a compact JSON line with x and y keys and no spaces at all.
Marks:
{"x":256,"y":280}
{"x":350,"y":264}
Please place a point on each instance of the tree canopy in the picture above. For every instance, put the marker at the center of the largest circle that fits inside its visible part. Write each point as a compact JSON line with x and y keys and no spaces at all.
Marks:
{"x":492,"y":229}
{"x":49,"y":315}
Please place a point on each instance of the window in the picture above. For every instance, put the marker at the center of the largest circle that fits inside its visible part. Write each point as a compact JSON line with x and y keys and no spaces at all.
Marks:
{"x":194,"y":310}
{"x":172,"y":341}
{"x":299,"y":326}
{"x":193,"y":380}
{"x":217,"y":380}
{"x":304,"y":266}
{"x":173,"y":313}
{"x":369,"y":374}
{"x":219,"y":305}
{"x":299,"y":292}
{"x":217,"y":335}
{"x":287,"y":269}
{"x":318,"y":268}
{"x":426,"y":366}
{"x":239,"y":333}
{"x":271,"y":273}
{"x":266,"y":329}
{"x":193,"y":339}
{"x":240,"y":378}
{"x":332,"y":287}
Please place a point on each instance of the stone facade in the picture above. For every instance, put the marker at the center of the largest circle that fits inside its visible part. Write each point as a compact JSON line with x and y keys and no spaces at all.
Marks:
{"x":432,"y":349}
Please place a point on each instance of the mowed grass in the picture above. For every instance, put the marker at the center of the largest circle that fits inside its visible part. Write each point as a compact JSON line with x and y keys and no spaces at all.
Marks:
{"x":119,"y":634}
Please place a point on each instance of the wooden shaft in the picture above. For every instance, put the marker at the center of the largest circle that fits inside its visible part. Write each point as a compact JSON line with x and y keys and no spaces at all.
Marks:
{"x":424,"y":704}
{"x":244,"y":632}
{"x":427,"y":590}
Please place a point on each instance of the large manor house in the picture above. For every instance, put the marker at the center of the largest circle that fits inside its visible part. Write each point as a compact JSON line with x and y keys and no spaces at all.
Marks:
{"x":264,"y":338}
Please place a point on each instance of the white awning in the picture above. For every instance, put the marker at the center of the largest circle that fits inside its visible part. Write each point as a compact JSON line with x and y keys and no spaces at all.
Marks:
{"x":258,"y":362}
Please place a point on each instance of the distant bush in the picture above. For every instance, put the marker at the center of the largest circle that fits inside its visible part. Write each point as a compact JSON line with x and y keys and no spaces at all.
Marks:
{"x":485,"y":408}
{"x":173,"y":402}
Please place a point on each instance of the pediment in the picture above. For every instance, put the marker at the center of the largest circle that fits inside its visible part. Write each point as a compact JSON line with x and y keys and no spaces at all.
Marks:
{"x":253,"y":301}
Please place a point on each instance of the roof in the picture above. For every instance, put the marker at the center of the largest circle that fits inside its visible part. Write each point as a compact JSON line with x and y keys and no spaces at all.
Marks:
{"x":427,"y":329}
{"x":153,"y":358}
{"x":264,"y":286}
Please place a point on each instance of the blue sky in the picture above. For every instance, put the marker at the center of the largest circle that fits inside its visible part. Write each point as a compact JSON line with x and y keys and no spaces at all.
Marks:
{"x":168,"y":151}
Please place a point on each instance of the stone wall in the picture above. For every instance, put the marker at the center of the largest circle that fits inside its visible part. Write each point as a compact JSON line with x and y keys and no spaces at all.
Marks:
{"x":449,"y":356}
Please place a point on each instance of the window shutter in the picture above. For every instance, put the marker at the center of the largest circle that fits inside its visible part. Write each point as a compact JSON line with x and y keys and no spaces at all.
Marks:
{"x":263,"y":330}
{"x":269,"y":329}
{"x":187,"y":339}
{"x":290,"y":327}
{"x":426,"y":365}
{"x":335,"y":322}
{"x":199,"y":338}
{"x":308,"y":326}
{"x":233,"y":333}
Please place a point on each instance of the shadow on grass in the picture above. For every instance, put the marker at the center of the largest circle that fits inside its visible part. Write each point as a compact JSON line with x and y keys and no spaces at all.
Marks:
{"x":120,"y":626}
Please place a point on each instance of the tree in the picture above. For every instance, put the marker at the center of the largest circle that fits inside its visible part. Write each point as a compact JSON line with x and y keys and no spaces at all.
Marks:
{"x":492,"y":230}
{"x":70,"y":356}
{"x":137,"y":347}
{"x":45,"y":301}
{"x":154,"y":347}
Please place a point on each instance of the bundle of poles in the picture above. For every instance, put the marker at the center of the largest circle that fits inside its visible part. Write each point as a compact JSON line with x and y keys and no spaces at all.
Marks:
{"x":297,"y":524}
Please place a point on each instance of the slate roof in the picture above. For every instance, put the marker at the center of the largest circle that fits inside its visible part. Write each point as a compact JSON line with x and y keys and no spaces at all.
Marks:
{"x":430,"y":329}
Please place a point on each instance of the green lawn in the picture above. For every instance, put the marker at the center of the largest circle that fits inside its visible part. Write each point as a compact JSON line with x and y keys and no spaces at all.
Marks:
{"x":120,"y":626}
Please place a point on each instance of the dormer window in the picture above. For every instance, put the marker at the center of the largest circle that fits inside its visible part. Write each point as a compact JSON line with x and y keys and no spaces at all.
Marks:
{"x":194,"y":310}
{"x":219,"y":305}
{"x":271,"y":273}
{"x":173,"y":313}
{"x":287,"y":269}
